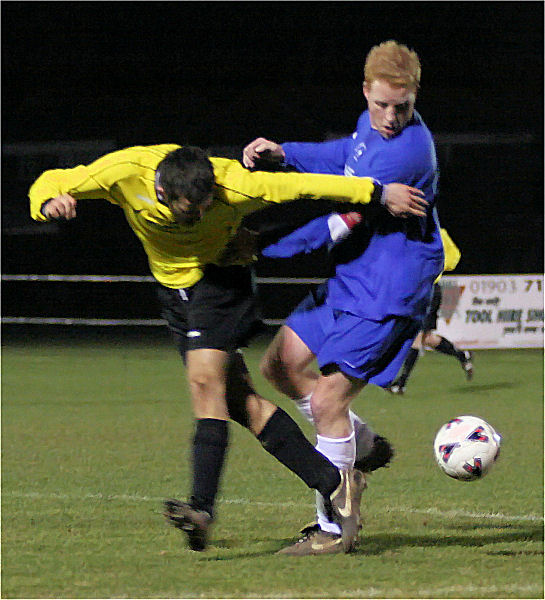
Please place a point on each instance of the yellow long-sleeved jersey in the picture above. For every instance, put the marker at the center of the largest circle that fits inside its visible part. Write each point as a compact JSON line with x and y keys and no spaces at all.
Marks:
{"x":178,"y":253}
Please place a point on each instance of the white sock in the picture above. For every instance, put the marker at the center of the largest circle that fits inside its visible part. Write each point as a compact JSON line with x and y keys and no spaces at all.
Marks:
{"x":364,"y":434}
{"x":341,"y":452}
{"x":303,"y":405}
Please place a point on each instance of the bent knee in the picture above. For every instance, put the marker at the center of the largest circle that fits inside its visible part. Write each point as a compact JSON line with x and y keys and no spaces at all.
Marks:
{"x":321,"y":407}
{"x":206,"y":383}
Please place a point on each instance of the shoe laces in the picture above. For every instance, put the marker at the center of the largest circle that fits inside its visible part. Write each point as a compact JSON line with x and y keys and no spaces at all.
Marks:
{"x":308,"y":532}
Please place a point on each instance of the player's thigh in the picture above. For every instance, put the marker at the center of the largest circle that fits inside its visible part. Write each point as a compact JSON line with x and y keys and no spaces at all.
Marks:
{"x":287,"y":350}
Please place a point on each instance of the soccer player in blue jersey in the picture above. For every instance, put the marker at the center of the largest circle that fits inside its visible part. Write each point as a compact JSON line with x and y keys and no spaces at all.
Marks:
{"x":360,"y":325}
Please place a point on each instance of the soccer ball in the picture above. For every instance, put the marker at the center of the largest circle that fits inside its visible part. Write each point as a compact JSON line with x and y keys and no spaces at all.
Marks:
{"x":466,"y":448}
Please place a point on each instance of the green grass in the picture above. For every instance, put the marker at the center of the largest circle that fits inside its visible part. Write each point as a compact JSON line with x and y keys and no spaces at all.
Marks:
{"x":95,"y":433}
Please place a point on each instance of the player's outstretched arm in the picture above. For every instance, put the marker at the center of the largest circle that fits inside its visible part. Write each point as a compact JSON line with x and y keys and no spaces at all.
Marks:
{"x":261,"y":148}
{"x":60,"y":207}
{"x":402,"y":200}
{"x":327,"y":229}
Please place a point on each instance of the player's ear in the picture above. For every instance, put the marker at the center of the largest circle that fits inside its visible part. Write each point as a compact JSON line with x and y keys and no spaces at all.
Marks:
{"x":366,"y":90}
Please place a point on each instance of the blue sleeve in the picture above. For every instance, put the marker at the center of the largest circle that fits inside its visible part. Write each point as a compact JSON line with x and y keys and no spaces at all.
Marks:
{"x":321,"y":157}
{"x":413,"y":163}
{"x":311,"y":236}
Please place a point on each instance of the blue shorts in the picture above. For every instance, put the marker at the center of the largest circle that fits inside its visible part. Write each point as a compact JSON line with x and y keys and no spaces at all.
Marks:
{"x":369,"y":350}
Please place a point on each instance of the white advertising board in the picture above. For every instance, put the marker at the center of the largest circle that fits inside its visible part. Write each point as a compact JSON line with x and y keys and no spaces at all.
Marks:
{"x":492,"y":311}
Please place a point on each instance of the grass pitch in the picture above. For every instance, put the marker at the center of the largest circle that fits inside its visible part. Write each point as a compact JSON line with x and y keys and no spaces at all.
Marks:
{"x":95,"y":433}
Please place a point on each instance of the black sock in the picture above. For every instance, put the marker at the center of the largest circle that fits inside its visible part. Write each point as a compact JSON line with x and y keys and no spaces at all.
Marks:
{"x":407,"y":367}
{"x":209,"y":447}
{"x":446,"y":347}
{"x":283,"y":438}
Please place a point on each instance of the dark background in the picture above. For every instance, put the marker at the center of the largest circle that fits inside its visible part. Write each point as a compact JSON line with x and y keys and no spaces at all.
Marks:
{"x":218,"y":74}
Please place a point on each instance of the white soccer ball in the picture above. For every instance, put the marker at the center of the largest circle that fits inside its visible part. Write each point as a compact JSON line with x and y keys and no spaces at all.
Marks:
{"x":466,"y":448}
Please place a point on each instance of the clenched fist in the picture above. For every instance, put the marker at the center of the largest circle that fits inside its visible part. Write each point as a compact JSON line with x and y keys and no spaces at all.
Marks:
{"x":60,"y":207}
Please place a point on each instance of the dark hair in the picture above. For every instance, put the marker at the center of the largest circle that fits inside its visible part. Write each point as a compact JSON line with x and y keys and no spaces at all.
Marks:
{"x":186,"y":172}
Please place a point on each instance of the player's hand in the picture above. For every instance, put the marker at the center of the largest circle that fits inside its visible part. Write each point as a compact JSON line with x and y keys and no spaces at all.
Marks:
{"x":261,"y":148}
{"x":402,"y":200}
{"x":60,"y":207}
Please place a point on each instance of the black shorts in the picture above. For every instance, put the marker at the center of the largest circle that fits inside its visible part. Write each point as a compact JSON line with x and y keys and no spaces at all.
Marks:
{"x":430,"y":320}
{"x":218,"y":312}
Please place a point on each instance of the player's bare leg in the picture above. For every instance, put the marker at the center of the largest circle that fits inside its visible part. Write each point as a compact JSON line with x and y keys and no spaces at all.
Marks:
{"x":271,"y":425}
{"x":276,"y":431}
{"x":213,"y":377}
{"x":439,"y":343}
{"x":331,"y":404}
{"x":430,"y":339}
{"x":206,"y":372}
{"x":336,"y":440}
{"x":245,"y":405}
{"x":285,"y":365}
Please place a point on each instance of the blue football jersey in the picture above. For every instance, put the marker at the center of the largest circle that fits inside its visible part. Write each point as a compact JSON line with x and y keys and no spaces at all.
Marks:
{"x":401,"y":258}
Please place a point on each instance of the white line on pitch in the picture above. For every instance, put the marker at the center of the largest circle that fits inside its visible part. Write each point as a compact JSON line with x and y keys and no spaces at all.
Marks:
{"x":405,"y":509}
{"x":375,"y":592}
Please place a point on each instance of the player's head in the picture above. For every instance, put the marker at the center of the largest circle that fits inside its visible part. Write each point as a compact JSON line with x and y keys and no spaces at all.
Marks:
{"x":186,"y":178}
{"x":391,"y":82}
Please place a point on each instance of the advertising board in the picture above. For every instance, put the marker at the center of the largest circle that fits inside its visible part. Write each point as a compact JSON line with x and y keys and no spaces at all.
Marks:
{"x":492,"y":311}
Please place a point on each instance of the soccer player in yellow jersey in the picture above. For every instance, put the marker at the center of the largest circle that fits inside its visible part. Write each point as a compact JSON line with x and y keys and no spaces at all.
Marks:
{"x":185,"y":208}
